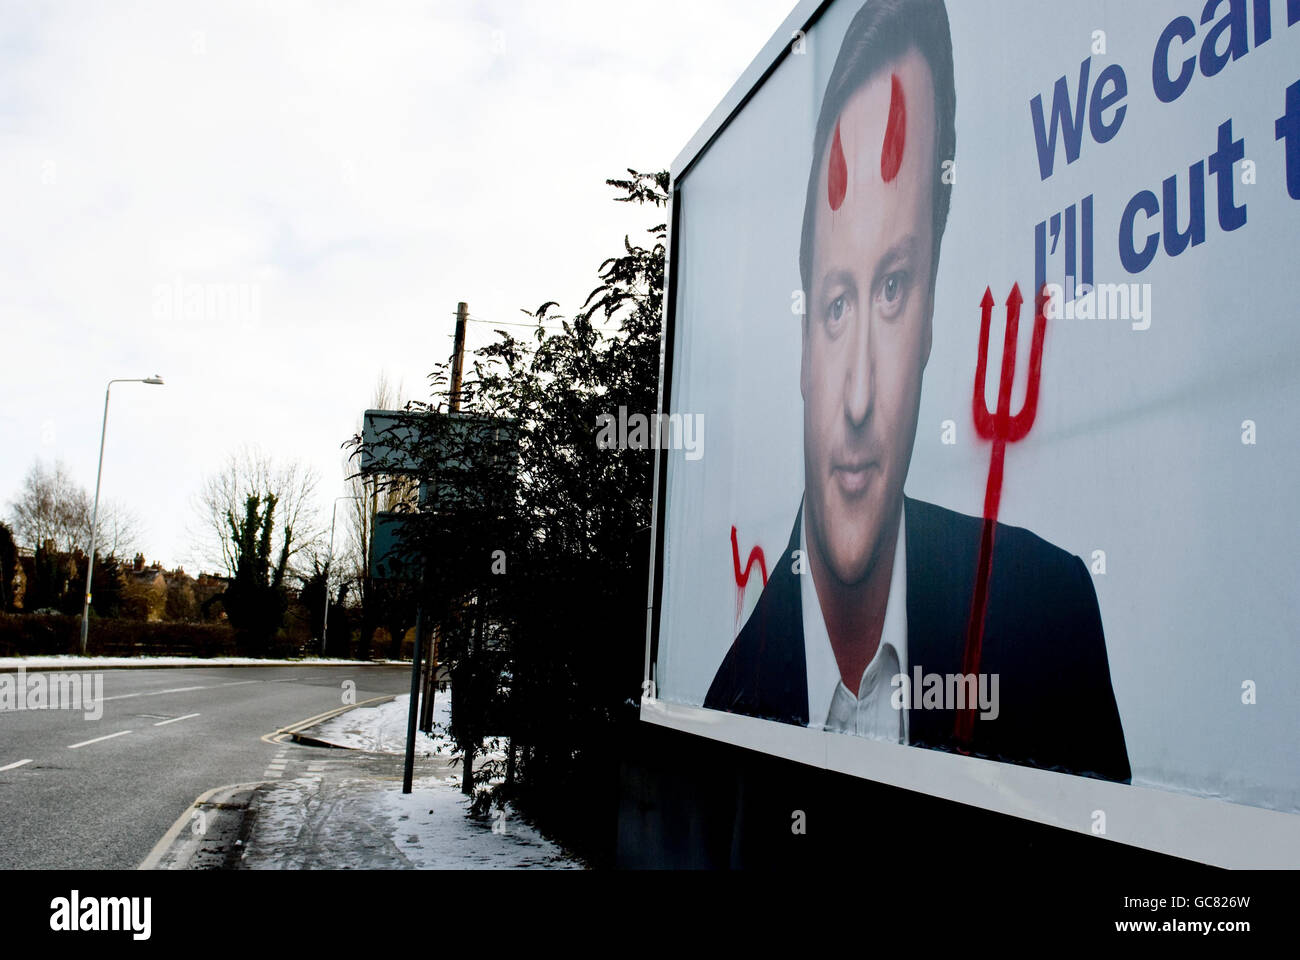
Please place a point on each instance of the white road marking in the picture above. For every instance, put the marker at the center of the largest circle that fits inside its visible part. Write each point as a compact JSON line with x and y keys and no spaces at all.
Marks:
{"x":275,"y":769}
{"x":86,"y":743}
{"x":159,"y":693}
{"x":14,"y":765}
{"x":176,"y":719}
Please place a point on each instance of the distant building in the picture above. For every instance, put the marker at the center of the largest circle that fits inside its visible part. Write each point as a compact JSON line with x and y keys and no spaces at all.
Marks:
{"x":22,"y":576}
{"x":208,"y":589}
{"x":146,"y":591}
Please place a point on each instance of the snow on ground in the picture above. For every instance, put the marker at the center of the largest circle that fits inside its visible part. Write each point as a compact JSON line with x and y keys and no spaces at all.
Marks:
{"x":381,"y":728}
{"x":37,"y":663}
{"x":431,"y":830}
{"x":370,"y":824}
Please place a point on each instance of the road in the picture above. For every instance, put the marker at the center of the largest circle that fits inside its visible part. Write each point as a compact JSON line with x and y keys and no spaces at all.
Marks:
{"x":98,"y":794}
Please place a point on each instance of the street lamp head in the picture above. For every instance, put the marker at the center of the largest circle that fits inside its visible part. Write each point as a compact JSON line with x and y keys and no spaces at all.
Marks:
{"x":156,"y":380}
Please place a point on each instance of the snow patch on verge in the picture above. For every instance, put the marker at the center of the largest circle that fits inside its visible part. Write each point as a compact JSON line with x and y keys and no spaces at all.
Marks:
{"x":381,"y":728}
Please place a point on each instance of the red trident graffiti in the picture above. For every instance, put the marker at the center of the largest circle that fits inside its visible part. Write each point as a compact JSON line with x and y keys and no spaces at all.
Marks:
{"x":1002,"y":428}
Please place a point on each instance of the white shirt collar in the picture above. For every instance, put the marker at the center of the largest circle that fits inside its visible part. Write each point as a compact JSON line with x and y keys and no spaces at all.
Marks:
{"x":823,"y":670}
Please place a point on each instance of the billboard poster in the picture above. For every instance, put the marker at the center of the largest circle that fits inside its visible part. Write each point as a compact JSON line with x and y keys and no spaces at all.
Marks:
{"x":988,"y":311}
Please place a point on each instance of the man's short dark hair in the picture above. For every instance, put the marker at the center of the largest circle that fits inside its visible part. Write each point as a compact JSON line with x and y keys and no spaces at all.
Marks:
{"x":882,"y":31}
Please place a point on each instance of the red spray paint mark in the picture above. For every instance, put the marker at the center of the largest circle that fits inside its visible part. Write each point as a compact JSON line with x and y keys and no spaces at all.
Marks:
{"x":837,"y":173}
{"x":742,"y":577}
{"x":1002,"y":428}
{"x":891,"y":154}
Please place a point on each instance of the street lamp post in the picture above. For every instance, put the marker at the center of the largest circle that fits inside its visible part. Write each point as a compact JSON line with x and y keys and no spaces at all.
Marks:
{"x":156,"y":381}
{"x":325,"y":625}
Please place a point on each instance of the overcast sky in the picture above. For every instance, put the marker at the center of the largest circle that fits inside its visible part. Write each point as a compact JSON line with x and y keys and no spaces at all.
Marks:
{"x":333,"y":177}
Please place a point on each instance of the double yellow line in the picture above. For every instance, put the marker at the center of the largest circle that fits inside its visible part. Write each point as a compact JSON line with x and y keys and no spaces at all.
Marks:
{"x":278,"y":736}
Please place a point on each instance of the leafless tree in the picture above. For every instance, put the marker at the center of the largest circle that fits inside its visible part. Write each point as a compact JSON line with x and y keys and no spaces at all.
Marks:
{"x":53,"y":506}
{"x":251,"y":472}
{"x":119,"y":530}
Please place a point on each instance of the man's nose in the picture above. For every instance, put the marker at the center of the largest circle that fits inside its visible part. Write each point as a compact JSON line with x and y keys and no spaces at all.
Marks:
{"x":860,"y":385}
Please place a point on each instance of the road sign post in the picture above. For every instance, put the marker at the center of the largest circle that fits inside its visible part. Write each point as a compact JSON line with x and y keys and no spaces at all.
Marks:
{"x":417,"y":656}
{"x":447,"y":445}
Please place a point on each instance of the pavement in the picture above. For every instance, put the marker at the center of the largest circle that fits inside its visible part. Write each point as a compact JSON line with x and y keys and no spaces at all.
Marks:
{"x":329,"y":808}
{"x":85,"y":793}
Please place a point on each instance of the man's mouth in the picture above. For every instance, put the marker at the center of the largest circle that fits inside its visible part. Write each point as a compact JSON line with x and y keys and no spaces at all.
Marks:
{"x":853,"y":476}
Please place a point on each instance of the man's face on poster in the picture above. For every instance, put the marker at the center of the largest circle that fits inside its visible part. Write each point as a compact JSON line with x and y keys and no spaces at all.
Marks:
{"x":867,"y":325}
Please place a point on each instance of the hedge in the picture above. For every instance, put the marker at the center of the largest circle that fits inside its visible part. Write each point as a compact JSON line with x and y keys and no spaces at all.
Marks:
{"x":53,"y":634}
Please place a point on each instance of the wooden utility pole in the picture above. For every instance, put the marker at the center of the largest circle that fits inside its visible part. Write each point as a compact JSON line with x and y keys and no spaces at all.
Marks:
{"x":429,"y":668}
{"x":430,"y":680}
{"x":424,"y":680}
{"x":453,"y":406}
{"x":458,"y":356}
{"x":468,"y":749}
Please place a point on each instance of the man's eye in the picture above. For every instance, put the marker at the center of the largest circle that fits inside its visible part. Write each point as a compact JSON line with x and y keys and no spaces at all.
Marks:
{"x":835,"y":314}
{"x":892,"y":294}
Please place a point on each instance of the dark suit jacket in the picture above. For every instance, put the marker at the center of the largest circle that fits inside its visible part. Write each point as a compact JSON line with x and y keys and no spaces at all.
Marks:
{"x":1042,"y":636}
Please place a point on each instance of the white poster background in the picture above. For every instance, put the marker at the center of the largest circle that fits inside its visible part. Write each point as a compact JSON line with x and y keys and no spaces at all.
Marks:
{"x":1137,"y":446}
